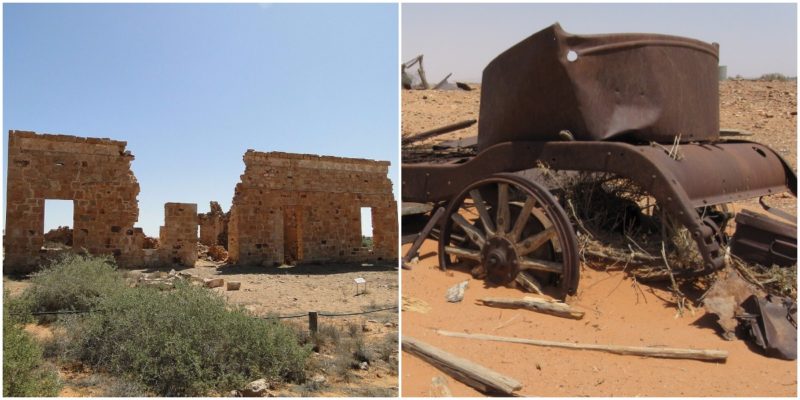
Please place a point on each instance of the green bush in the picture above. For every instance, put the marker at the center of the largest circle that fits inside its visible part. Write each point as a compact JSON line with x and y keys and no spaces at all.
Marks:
{"x":72,"y":282}
{"x":16,"y":310}
{"x":774,"y":76}
{"x":24,"y":372}
{"x":185,"y":342}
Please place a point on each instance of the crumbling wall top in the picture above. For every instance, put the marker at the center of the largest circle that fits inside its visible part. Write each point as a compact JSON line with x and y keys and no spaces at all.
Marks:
{"x":275,"y":158}
{"x":27,"y":140}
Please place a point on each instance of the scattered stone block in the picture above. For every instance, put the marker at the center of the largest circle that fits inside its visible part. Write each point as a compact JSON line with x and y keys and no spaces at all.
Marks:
{"x":319,"y":379}
{"x":234,"y":285}
{"x":213,"y":283}
{"x":259,"y":388}
{"x":456,"y":293}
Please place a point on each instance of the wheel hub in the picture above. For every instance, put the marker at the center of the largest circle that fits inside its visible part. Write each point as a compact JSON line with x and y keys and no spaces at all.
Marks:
{"x":500,"y":261}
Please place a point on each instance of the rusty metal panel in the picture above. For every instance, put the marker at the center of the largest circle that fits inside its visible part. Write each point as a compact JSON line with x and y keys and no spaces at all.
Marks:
{"x":631,"y":87}
{"x":705,"y":174}
{"x":717,"y":173}
{"x":763,"y":240}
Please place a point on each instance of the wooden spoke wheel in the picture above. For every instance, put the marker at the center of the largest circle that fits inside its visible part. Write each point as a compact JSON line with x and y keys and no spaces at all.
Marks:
{"x":505,"y":224}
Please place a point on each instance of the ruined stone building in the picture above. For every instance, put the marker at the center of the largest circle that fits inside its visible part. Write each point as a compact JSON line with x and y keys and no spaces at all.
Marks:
{"x":299,"y":207}
{"x":287,"y":207}
{"x":213,"y":226}
{"x":94,"y":173}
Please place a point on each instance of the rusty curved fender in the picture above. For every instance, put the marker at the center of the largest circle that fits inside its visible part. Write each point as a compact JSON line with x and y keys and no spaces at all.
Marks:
{"x":631,"y":87}
{"x":707,"y":174}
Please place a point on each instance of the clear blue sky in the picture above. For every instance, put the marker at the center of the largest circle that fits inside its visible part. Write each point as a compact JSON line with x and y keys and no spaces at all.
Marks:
{"x":462,"y":38}
{"x":192,"y":87}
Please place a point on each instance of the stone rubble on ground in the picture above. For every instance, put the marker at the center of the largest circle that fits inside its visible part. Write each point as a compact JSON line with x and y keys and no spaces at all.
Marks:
{"x":213,"y":282}
{"x":258,"y":388}
{"x":456,"y":293}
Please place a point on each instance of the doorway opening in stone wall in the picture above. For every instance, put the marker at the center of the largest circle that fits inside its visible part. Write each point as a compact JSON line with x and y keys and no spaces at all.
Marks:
{"x":366,"y":228}
{"x":292,"y":235}
{"x":58,"y":224}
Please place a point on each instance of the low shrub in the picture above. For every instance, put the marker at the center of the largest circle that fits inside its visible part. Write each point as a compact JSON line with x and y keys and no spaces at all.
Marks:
{"x":25,"y":373}
{"x":386,"y":348}
{"x":16,"y":310}
{"x":72,"y":282}
{"x":185,"y":342}
{"x":774,"y":76}
{"x":361,"y":352}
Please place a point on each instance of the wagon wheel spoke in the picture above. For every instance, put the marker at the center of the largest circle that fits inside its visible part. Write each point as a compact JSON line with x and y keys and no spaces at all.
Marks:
{"x":503,"y":213}
{"x":527,"y":263}
{"x":463,"y":253}
{"x":522,"y":219}
{"x":488,"y":225}
{"x":522,"y":228}
{"x":532,"y":243}
{"x":473,"y":233}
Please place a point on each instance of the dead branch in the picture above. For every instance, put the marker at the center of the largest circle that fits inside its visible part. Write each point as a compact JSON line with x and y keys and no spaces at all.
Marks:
{"x":534,"y":304}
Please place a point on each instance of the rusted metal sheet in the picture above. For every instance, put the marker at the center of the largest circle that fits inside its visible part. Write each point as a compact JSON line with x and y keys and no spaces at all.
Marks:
{"x":773,"y":325}
{"x":763,"y":240}
{"x":631,"y":87}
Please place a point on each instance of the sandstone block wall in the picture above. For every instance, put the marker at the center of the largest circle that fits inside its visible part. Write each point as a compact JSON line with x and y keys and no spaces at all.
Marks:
{"x":178,"y":236}
{"x":299,"y":207}
{"x":94,"y":173}
{"x":213,"y":226}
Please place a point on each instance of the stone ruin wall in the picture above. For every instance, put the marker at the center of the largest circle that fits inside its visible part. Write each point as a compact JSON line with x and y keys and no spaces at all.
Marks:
{"x":287,"y":207}
{"x":296,"y":207}
{"x":178,"y":236}
{"x":94,"y":173}
{"x":213,"y":226}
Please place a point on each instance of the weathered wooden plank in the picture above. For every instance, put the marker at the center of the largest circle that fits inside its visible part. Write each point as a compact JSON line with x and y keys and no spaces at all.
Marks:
{"x":468,"y":372}
{"x":534,"y":304}
{"x":660,"y":352}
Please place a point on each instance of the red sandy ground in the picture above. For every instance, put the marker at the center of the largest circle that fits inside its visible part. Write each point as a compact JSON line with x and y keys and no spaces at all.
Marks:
{"x":616,"y":313}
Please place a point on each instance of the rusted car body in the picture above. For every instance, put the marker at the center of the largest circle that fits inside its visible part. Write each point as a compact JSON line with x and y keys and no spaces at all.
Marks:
{"x":603,"y":103}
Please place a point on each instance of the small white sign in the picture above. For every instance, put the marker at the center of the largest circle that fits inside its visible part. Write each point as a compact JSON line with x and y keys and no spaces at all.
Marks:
{"x":360,"y":280}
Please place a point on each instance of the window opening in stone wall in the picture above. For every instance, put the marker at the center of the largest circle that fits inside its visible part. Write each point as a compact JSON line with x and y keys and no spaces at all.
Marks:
{"x":366,"y":227}
{"x":58,"y":224}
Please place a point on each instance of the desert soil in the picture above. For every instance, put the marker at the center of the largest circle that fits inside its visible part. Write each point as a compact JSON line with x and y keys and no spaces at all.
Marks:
{"x":291,"y":290}
{"x":617,"y":311}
